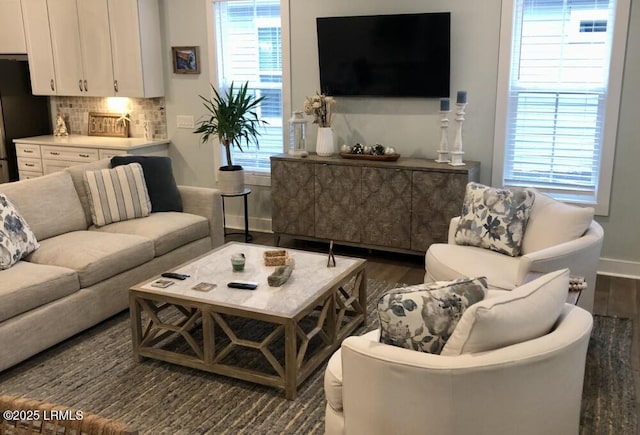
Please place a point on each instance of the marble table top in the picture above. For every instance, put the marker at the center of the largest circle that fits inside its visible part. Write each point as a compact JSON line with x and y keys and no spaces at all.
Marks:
{"x":310,"y":278}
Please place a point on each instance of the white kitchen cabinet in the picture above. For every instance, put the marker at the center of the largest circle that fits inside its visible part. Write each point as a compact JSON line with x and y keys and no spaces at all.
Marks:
{"x":135,"y":46}
{"x":42,"y":155}
{"x":81,"y":47}
{"x":40,"y":53}
{"x":11,"y":29}
{"x":94,"y":47}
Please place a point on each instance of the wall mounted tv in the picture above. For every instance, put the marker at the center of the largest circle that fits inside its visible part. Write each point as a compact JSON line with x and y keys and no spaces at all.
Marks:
{"x":385,"y":55}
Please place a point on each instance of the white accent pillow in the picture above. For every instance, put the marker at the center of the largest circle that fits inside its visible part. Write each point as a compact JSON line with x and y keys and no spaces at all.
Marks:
{"x":553,"y":222}
{"x":16,"y":238}
{"x":522,"y":314}
{"x":117,"y":194}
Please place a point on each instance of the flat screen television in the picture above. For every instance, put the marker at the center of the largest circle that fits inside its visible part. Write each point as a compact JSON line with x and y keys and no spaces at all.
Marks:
{"x":403,"y":55}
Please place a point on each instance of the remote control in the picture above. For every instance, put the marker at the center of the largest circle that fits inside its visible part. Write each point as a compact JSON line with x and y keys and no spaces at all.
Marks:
{"x":243,"y":285}
{"x":174,"y":275}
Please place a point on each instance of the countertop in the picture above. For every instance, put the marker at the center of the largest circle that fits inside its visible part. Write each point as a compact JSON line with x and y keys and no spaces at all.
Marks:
{"x":124,"y":143}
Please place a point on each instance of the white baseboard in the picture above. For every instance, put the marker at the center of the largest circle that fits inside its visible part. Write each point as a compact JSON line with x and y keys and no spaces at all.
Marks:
{"x":621,"y":268}
{"x":262,"y":225}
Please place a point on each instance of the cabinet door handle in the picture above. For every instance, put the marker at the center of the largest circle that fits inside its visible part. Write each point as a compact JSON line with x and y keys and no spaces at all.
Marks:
{"x":51,"y":84}
{"x":84,"y":155}
{"x":80,"y":85}
{"x":31,"y":165}
{"x":27,"y":151}
{"x":85,"y":86}
{"x":115,"y":85}
{"x":54,"y":153}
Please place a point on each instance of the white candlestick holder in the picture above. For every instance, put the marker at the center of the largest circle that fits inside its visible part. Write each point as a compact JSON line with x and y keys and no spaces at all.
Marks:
{"x":443,"y":151}
{"x":457,"y":153}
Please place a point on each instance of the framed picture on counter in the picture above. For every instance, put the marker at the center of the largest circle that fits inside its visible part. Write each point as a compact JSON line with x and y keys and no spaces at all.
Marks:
{"x":108,"y":124}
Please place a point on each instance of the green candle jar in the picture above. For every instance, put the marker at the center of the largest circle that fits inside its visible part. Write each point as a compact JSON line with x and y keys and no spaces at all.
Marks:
{"x":237,"y":262}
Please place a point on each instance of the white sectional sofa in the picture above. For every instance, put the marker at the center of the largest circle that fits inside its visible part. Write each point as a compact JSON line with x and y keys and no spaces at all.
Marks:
{"x":80,"y":274}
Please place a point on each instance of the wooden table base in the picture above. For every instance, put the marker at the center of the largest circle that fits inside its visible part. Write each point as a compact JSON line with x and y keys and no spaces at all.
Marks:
{"x":331,"y":318}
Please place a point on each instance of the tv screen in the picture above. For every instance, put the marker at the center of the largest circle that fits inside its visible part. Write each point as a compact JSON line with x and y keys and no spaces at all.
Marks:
{"x":385,"y":55}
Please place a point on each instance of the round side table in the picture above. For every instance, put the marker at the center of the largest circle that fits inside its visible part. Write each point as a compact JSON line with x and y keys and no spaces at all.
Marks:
{"x":244,"y":194}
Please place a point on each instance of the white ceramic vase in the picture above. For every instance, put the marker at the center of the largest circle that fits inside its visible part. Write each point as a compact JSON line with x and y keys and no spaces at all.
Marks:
{"x":231,"y":182}
{"x":324,"y":142}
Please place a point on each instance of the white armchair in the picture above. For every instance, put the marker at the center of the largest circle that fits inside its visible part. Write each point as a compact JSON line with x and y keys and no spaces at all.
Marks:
{"x":533,"y":387}
{"x":555,"y":238}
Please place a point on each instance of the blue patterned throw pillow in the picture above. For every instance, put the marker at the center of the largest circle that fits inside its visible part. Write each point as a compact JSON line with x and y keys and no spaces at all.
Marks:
{"x":16,"y":238}
{"x":494,"y":218}
{"x":422,"y":317}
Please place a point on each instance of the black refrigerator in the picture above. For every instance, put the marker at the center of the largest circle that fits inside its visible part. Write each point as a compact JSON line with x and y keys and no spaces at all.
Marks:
{"x":21,"y":113}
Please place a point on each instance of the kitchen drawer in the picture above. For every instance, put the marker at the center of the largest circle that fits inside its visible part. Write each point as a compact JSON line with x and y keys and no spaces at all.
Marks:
{"x":26,"y":175}
{"x":50,"y":166}
{"x":30,"y":165}
{"x":70,"y":154}
{"x":27,"y":150}
{"x":107,"y":154}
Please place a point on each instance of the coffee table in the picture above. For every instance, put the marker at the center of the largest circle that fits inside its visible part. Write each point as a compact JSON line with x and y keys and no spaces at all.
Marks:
{"x":308,"y":316}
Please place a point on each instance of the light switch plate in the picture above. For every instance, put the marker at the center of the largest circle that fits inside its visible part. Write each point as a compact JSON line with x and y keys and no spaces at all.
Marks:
{"x":185,"y":121}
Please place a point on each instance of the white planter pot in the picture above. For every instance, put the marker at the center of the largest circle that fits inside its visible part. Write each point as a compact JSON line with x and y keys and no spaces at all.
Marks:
{"x":324,"y":142}
{"x":231,"y":181}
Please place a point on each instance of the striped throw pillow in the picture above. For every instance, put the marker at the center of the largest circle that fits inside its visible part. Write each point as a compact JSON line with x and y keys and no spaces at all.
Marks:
{"x":117,"y":194}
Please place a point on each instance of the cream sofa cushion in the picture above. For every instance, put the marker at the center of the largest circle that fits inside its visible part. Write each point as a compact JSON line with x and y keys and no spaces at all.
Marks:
{"x":49,"y":204}
{"x":77,"y":176}
{"x":26,"y":286}
{"x":446,"y":262}
{"x":553,"y":222}
{"x":168,"y":230}
{"x":94,"y":255}
{"x":525,"y":313}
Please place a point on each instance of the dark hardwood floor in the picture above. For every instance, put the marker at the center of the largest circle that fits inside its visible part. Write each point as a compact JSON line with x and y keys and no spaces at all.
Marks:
{"x":614,"y":296}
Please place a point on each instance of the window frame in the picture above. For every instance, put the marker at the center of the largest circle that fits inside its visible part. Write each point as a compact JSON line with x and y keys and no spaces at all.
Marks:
{"x":253,"y":178}
{"x":612,"y":103}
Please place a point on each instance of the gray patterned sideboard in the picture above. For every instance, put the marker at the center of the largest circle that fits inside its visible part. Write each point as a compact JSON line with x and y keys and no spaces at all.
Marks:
{"x":401,"y":206}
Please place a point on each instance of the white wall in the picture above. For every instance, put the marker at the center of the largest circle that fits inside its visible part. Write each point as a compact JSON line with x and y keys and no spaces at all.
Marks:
{"x":621,"y":227}
{"x":184,"y":24}
{"x":411,"y":125}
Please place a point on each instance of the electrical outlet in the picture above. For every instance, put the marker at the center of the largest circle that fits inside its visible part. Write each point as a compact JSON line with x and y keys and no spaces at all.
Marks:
{"x":185,"y":121}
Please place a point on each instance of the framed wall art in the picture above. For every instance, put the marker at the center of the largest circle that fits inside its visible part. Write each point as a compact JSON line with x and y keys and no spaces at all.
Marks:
{"x":186,"y":60}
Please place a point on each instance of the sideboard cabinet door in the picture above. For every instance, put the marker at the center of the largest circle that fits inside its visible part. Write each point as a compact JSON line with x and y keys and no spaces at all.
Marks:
{"x":386,"y":208}
{"x":436,"y":198}
{"x":338,"y":192}
{"x":292,"y":196}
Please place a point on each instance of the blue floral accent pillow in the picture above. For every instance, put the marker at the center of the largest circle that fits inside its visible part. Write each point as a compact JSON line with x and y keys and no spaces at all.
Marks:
{"x":16,"y":238}
{"x":494,"y":218}
{"x":422,"y":317}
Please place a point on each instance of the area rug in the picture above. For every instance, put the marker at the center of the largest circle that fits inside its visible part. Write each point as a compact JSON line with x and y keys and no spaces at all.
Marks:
{"x":94,"y":371}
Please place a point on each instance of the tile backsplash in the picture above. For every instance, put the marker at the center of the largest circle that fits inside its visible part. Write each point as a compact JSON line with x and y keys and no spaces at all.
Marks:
{"x":75,"y":111}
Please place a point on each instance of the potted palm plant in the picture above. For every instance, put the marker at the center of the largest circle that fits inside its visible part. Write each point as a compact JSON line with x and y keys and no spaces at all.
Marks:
{"x":233,"y":119}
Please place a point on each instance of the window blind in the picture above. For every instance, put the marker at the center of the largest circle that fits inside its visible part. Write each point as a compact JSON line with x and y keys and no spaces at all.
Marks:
{"x":249,"y":43}
{"x":557,"y":93}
